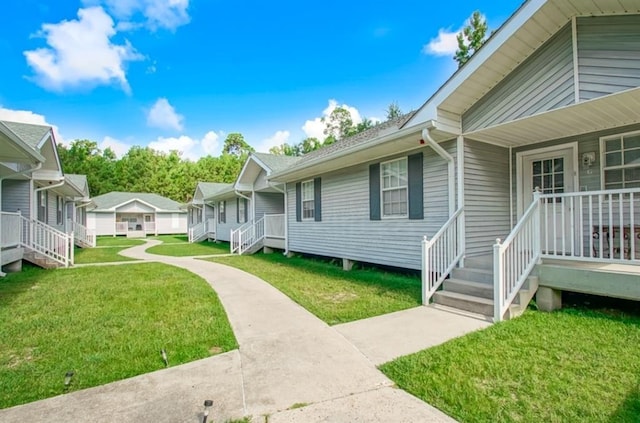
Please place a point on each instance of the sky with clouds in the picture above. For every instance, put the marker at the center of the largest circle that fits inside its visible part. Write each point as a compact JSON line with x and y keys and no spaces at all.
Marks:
{"x":182,"y":74}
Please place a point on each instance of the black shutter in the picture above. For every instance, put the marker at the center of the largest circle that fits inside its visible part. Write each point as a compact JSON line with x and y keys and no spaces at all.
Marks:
{"x":246,"y":210}
{"x":416,"y":201}
{"x":374,"y":191}
{"x":317,"y":200}
{"x":237,"y":210}
{"x":299,"y":202}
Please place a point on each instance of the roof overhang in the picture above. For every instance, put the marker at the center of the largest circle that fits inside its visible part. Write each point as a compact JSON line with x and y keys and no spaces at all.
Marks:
{"x":250,"y":171}
{"x":14,"y":150}
{"x":394,"y":143}
{"x":612,"y":111}
{"x":116,"y":207}
{"x":533,"y":24}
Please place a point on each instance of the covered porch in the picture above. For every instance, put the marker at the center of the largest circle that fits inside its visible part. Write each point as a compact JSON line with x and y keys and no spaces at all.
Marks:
{"x":135,"y":225}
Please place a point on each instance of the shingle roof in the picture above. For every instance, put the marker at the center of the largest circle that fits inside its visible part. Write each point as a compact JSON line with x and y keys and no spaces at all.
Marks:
{"x":211,"y":188}
{"x":277,"y":162}
{"x":78,"y":181}
{"x":29,"y":133}
{"x":113,"y":199}
{"x":326,"y":153}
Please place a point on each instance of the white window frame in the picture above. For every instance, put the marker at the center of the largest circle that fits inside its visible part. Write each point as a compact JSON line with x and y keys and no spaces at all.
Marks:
{"x":311,"y":201}
{"x":398,"y":188}
{"x":242,"y":206}
{"x":603,"y":157}
{"x":59,"y":210}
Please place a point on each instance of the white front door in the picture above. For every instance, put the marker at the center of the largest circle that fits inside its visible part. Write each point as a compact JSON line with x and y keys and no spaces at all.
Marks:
{"x":552,"y":172}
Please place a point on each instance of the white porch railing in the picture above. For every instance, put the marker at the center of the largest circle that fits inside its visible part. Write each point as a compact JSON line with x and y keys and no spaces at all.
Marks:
{"x":196,"y":232}
{"x":149,"y":227}
{"x":82,"y":234}
{"x":122,"y":228}
{"x":235,"y":237}
{"x":592,"y":226}
{"x":247,"y":236}
{"x":515,"y":258}
{"x":274,"y":226}
{"x":47,"y":241}
{"x":441,"y":254}
{"x":11,"y":227}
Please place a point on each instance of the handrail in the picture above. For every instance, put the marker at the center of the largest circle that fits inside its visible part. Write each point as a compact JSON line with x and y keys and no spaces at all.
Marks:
{"x":251,"y":235}
{"x":235,"y":236}
{"x":440,"y":254}
{"x":83,"y":234}
{"x":195,"y":232}
{"x":515,"y":258}
{"x":47,"y":241}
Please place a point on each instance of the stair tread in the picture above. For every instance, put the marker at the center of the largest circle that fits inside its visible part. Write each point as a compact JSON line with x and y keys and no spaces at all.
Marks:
{"x":464,"y":297}
{"x":470,"y":283}
{"x":478,"y":269}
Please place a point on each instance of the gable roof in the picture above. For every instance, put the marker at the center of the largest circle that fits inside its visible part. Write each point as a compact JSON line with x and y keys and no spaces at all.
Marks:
{"x":79,"y":182}
{"x":207,"y":189}
{"x":276,"y":163}
{"x":32,"y":135}
{"x":381,"y":132}
{"x":14,"y":148}
{"x":112,"y":200}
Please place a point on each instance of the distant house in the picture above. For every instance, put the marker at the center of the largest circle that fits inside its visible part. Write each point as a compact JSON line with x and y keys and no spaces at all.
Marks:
{"x":38,"y":201}
{"x":202,"y":212}
{"x":135,"y":215}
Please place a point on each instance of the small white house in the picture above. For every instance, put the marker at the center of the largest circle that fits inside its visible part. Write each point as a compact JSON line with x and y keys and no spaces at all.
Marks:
{"x":135,"y":215}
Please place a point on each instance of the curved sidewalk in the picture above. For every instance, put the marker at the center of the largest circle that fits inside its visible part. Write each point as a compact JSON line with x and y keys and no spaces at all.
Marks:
{"x":290,"y":366}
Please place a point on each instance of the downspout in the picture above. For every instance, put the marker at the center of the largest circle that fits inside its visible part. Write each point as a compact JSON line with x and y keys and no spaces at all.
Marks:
{"x":426,"y":135}
{"x":286,"y":220}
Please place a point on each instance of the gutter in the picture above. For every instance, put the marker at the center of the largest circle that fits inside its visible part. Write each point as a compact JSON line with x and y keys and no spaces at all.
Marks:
{"x":426,"y":135}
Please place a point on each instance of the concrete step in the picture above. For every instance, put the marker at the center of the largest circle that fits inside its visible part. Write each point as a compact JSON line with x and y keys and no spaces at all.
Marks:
{"x":465,"y":302}
{"x":475,"y":289}
{"x":479,"y":262}
{"x":473,"y":274}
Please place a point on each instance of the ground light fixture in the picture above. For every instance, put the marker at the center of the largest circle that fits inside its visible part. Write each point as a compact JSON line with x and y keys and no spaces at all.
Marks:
{"x":207,"y":407}
{"x":67,"y":379}
{"x":164,"y":357}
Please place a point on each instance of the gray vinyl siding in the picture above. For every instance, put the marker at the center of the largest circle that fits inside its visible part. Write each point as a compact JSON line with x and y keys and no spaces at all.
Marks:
{"x":486,"y":185}
{"x":105,"y":223}
{"x":542,"y":82}
{"x":223,"y":230}
{"x":209,"y":212}
{"x":346,"y":230}
{"x":16,"y":196}
{"x":608,"y":54}
{"x":269,"y":203}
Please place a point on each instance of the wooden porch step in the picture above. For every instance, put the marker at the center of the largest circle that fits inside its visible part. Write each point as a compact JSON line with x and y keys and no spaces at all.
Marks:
{"x":41,"y":261}
{"x":464,"y":302}
{"x":467,"y":287}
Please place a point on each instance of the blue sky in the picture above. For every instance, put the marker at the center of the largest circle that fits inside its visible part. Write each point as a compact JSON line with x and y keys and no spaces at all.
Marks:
{"x":181,"y":74}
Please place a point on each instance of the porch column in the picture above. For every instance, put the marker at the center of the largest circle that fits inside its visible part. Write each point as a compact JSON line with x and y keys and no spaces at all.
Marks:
{"x":462,"y":236}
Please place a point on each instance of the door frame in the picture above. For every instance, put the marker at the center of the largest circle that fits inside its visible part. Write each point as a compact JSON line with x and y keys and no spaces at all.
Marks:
{"x":521,"y":155}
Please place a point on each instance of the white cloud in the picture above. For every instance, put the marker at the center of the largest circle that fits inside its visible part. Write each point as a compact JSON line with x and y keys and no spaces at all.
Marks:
{"x":81,"y":52}
{"x":154,"y":14}
{"x":277,"y":139}
{"x":445,"y":44}
{"x":190,"y":148}
{"x":315,"y":128}
{"x":162,"y":115}
{"x":119,"y":148}
{"x":27,"y":116}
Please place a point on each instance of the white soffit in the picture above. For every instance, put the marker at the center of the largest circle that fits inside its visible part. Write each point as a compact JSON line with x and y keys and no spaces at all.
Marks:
{"x":612,"y":111}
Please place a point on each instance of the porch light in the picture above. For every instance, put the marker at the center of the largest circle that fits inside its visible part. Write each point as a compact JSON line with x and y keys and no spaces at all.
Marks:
{"x":164,"y":357}
{"x":67,"y":379}
{"x":207,"y":407}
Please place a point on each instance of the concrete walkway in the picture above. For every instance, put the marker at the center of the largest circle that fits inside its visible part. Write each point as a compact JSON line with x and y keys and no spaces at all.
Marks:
{"x":287,"y":358}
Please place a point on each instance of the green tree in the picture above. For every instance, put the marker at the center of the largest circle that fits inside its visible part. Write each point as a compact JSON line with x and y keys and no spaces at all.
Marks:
{"x":471,"y":38}
{"x":236,"y":145}
{"x":393,"y":111}
{"x":85,"y":158}
{"x":338,"y":124}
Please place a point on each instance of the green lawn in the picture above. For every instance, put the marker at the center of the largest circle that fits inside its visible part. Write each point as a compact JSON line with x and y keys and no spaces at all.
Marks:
{"x":568,"y":366}
{"x":104,"y":323}
{"x":117,"y":241}
{"x":99,"y":255}
{"x":204,"y":248}
{"x":327,"y":291}
{"x":171,"y":239}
